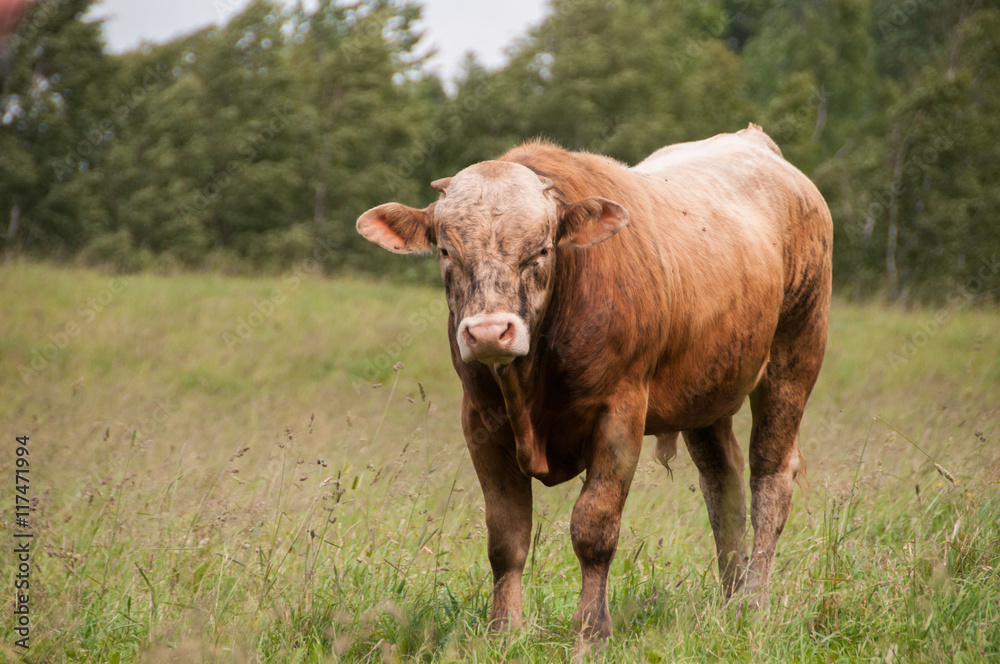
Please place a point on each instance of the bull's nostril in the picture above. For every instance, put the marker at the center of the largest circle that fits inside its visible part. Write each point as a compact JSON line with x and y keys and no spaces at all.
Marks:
{"x":508,"y":333}
{"x":469,"y":339}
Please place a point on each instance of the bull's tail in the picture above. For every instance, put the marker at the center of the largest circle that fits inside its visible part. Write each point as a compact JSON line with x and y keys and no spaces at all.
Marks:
{"x":666,"y":450}
{"x":800,"y":472}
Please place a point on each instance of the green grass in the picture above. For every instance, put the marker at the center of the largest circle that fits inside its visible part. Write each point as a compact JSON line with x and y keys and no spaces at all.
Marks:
{"x":212,"y":487}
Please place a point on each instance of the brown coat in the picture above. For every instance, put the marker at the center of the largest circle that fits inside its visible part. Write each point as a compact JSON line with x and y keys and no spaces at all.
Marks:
{"x":678,"y":287}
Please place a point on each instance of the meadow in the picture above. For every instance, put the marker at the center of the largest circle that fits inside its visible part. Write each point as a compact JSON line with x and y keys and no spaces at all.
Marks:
{"x":230,"y":469}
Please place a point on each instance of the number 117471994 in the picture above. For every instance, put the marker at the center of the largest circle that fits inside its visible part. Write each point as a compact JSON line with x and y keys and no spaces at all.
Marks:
{"x":21,"y":501}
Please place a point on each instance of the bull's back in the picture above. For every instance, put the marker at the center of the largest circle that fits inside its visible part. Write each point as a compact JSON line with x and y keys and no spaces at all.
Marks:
{"x":743,"y":232}
{"x":734,"y":197}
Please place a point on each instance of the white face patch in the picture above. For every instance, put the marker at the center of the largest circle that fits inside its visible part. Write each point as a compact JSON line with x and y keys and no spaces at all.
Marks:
{"x":495,"y":224}
{"x":492,"y":338}
{"x":499,"y":191}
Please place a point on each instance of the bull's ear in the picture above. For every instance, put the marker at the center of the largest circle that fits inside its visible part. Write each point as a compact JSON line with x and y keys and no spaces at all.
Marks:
{"x":591,"y":221}
{"x":398,"y":228}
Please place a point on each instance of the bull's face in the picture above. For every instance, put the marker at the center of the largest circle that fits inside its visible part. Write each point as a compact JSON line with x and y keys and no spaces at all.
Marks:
{"x":496,"y":228}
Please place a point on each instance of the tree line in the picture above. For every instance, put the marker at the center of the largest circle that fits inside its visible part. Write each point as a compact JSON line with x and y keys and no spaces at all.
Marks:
{"x":245,"y":147}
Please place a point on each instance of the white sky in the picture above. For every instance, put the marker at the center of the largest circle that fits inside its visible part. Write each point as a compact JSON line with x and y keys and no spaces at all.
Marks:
{"x":454,"y":27}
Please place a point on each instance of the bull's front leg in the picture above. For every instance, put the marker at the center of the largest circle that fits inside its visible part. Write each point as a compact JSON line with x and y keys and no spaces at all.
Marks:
{"x":507,"y":494}
{"x":597,"y":514}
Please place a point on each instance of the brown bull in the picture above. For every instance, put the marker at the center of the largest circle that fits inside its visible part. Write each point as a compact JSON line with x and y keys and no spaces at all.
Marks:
{"x":596,"y":303}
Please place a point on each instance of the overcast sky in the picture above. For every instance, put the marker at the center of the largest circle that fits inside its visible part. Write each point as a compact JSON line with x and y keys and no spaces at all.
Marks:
{"x":453,"y":26}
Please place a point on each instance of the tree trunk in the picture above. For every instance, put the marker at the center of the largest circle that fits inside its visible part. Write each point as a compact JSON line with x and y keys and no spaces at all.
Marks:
{"x":893,"y":233}
{"x":821,"y":112}
{"x":15,"y":221}
{"x":902,"y":140}
{"x":319,"y":209}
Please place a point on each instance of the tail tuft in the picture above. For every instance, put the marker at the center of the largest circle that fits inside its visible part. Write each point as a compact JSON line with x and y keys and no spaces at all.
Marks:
{"x":666,"y":450}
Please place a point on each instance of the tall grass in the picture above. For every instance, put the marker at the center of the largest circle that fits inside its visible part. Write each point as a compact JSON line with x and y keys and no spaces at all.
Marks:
{"x":298,"y":495}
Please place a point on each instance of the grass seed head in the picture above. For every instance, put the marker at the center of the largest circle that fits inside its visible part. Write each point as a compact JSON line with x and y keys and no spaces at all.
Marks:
{"x":948,"y":476}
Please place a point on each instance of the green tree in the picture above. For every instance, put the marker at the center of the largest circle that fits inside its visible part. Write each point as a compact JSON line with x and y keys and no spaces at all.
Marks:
{"x":53,"y":116}
{"x":359,"y":79}
{"x":588,"y":78}
{"x":811,"y":70}
{"x":913,"y":205}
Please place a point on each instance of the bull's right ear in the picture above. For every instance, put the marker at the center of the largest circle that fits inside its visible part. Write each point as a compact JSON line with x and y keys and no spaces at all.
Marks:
{"x":398,"y":228}
{"x":591,"y":221}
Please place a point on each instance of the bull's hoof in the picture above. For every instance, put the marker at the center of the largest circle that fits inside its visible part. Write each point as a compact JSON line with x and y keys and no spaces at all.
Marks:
{"x":593,"y":627}
{"x":755,"y":601}
{"x":733,"y":590}
{"x":584,"y":648}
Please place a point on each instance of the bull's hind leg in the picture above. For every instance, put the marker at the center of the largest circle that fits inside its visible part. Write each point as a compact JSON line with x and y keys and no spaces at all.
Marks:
{"x":719,"y":460}
{"x":778,"y":402}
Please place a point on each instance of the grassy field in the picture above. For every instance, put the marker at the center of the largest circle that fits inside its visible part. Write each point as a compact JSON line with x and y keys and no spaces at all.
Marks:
{"x":231,"y":470}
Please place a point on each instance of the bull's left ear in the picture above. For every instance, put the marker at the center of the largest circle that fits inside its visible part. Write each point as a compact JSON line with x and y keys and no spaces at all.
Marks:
{"x":591,"y":221}
{"x":398,"y":228}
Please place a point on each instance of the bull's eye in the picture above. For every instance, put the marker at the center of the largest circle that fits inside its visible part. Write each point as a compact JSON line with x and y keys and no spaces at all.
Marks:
{"x":444,"y":252}
{"x":537,"y":259}
{"x":541,"y":256}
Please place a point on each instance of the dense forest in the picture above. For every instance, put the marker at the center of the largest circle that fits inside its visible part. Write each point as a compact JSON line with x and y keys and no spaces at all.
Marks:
{"x":250,"y":146}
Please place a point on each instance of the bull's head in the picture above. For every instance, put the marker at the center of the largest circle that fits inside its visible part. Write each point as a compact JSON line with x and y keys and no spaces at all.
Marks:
{"x":496,"y":227}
